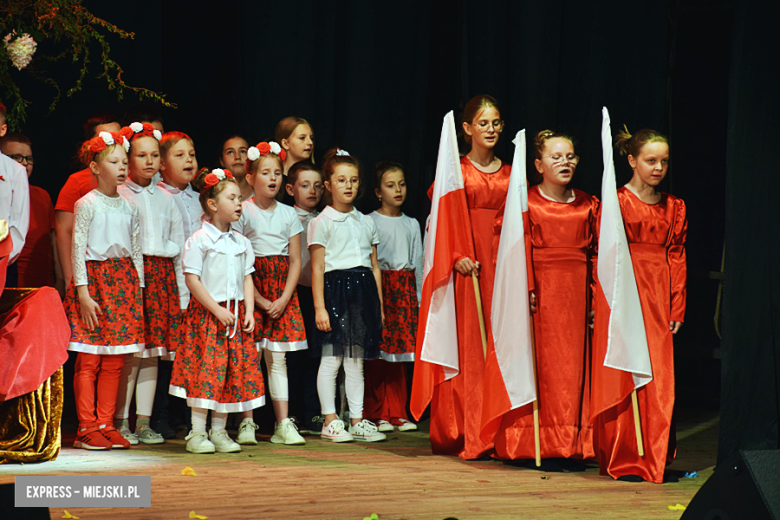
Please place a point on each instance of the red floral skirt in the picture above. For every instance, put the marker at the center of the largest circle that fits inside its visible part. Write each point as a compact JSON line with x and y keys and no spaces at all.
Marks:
{"x":399,"y":295}
{"x":213,"y":370}
{"x":286,"y":334}
{"x":114,"y":286}
{"x":162,"y":315}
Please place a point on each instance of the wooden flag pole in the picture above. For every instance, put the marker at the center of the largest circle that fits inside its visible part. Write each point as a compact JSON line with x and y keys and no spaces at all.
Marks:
{"x":481,"y":315}
{"x":537,"y":443}
{"x":640,"y":448}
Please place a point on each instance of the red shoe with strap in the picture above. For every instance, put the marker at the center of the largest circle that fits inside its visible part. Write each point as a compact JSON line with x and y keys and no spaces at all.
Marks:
{"x":91,"y":438}
{"x":113,"y":436}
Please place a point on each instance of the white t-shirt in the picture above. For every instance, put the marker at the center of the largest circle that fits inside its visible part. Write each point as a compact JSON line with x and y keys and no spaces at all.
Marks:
{"x":269,"y":231}
{"x":347,"y":237}
{"x":103,"y":228}
{"x":400,"y":246}
{"x":14,"y":202}
{"x":162,"y":231}
{"x":222,"y":260}
{"x":188,"y":202}
{"x":305,"y":217}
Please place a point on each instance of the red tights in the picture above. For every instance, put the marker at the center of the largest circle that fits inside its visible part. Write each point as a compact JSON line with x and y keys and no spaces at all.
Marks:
{"x":106,"y":369}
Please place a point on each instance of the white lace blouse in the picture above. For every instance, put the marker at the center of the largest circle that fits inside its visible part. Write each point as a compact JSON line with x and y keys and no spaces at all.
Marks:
{"x":104,"y":228}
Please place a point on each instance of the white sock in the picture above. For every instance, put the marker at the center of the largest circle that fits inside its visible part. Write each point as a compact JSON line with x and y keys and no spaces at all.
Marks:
{"x":199,"y":416}
{"x":218,"y":421}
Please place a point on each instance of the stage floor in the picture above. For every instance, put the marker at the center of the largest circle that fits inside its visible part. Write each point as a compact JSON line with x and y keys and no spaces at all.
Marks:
{"x":396,"y":479}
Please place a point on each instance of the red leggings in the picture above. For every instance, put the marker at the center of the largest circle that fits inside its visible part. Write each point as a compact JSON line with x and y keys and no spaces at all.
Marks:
{"x":386,"y":393}
{"x":106,"y":369}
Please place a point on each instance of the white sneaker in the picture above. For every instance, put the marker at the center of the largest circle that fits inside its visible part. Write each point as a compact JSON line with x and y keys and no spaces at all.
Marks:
{"x":198,"y":442}
{"x":287,"y":433}
{"x":128,"y":435}
{"x":406,"y":426}
{"x":366,"y":431}
{"x":246,"y":432}
{"x":384,"y":426}
{"x":335,"y":432}
{"x":222,"y":442}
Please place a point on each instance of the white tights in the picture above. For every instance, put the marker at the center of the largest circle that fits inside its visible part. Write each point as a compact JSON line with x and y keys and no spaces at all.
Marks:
{"x":139,"y":375}
{"x":326,"y":384}
{"x":277,"y":375}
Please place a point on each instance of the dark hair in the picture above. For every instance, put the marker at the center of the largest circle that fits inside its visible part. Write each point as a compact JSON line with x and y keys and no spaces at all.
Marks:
{"x":476,"y":105}
{"x":540,"y":141}
{"x":227,"y":138}
{"x":142,"y":113}
{"x":199,"y":179}
{"x":96,"y":120}
{"x":213,"y":192}
{"x":3,"y":113}
{"x":331,"y":160}
{"x":382,"y":167}
{"x":13,"y":137}
{"x":297,"y":168}
{"x":632,"y":144}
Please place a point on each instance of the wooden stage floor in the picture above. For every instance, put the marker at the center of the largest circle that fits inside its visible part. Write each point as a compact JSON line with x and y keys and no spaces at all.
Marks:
{"x":397,"y":479}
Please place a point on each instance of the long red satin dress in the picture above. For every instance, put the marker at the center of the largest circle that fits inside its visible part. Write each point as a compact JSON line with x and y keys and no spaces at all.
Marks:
{"x":564,"y":238}
{"x":456,"y":406}
{"x":656,"y":235}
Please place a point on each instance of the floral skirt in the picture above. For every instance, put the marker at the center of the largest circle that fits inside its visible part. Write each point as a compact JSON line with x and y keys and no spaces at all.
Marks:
{"x":213,"y":370}
{"x":400,"y":301}
{"x":162,"y":315}
{"x":287,"y":333}
{"x":352,"y":300}
{"x":114,"y":286}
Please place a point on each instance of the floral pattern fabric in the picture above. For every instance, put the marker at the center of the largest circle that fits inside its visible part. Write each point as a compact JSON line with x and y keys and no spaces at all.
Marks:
{"x":399,"y":296}
{"x":287,"y":333}
{"x":162,"y":315}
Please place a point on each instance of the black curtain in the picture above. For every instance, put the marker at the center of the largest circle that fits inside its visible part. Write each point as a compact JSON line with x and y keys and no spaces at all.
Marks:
{"x":750,"y":409}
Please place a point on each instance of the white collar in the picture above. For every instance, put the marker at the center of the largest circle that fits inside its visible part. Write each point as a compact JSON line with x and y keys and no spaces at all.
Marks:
{"x":303,"y":213}
{"x":338,"y":216}
{"x":215,"y":234}
{"x":174,"y":190}
{"x":138,"y":188}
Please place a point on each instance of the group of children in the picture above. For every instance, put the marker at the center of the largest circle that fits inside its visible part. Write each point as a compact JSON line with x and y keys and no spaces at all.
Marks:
{"x":205,"y":268}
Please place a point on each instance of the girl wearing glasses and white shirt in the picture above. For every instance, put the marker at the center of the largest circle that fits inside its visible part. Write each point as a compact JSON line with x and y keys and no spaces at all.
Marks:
{"x":564,"y":236}
{"x":347,"y":291}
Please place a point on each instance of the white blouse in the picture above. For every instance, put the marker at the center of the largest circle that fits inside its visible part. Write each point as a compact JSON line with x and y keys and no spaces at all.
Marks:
{"x":347,"y":237}
{"x":14,"y":202}
{"x":105,"y":227}
{"x":162,"y":232}
{"x":188,"y":202}
{"x":222,"y":260}
{"x":269,"y":231}
{"x":305,"y":217}
{"x":400,"y":246}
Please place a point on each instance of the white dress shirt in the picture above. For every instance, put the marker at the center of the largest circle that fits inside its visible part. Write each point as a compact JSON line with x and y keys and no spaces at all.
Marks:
{"x":305,"y":217}
{"x":104,"y":228}
{"x":188,"y":202}
{"x":347,"y":237}
{"x":269,"y":231}
{"x":14,"y":202}
{"x":162,"y":231}
{"x":400,"y":246}
{"x":222,"y":260}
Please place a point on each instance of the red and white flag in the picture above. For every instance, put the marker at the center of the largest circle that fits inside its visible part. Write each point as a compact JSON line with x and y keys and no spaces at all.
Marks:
{"x":509,"y":375}
{"x":627,"y":340}
{"x":449,"y":238}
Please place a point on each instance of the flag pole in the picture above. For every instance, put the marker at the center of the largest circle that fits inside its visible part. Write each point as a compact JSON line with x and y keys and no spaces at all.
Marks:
{"x":640,"y":448}
{"x":480,"y":313}
{"x":537,"y":443}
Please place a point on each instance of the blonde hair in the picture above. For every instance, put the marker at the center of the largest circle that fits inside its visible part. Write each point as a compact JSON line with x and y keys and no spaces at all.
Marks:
{"x":213,"y":192}
{"x":540,"y":141}
{"x":629,"y":144}
{"x":287,"y":126}
{"x":169,"y":140}
{"x":86,"y":155}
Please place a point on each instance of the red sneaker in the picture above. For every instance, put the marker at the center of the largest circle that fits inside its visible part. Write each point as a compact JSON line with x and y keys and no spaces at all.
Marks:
{"x":91,"y":439}
{"x":113,"y":436}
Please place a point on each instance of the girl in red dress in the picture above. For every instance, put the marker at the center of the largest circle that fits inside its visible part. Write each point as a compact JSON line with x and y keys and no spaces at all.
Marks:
{"x":563,"y":236}
{"x":217,"y":366}
{"x":456,"y":405}
{"x":274,"y":231}
{"x":400,"y":256}
{"x":103,"y":301}
{"x":656,"y":227}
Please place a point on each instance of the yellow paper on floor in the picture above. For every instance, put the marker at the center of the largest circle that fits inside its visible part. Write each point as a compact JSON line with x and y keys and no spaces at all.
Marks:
{"x":200,"y":517}
{"x":188,"y":471}
{"x":678,"y":507}
{"x":68,"y":515}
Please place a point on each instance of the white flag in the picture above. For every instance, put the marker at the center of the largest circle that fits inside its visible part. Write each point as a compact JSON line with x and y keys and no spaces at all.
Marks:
{"x":627,"y":340}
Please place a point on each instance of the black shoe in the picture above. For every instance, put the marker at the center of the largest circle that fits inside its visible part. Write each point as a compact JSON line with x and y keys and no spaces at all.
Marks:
{"x":630,"y":478}
{"x":313,"y":426}
{"x":163,"y":428}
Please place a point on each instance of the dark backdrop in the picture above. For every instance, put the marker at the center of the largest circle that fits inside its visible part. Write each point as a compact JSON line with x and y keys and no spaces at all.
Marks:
{"x":376,"y":78}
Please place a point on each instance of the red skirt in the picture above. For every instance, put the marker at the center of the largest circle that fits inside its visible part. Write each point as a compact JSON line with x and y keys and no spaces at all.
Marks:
{"x":114,"y":286}
{"x":162,"y":315}
{"x":286,"y":334}
{"x":213,"y":370}
{"x":399,"y":295}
